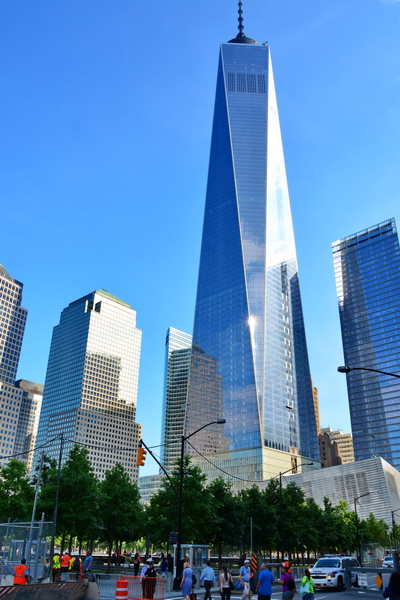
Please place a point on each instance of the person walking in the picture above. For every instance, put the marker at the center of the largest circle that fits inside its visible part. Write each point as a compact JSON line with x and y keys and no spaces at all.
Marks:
{"x":392,"y":591}
{"x":208,"y":578}
{"x":307,"y":586}
{"x":288,"y":584}
{"x":136,"y":564}
{"x":163,"y":567}
{"x":225,"y":581}
{"x":187,"y":580}
{"x":244,"y":576}
{"x":21,"y":573}
{"x":264,"y":583}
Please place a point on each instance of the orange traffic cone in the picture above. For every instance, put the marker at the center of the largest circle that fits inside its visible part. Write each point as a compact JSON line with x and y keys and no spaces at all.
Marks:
{"x":121,"y":592}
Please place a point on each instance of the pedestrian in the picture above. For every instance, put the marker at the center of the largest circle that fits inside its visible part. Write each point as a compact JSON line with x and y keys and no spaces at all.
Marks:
{"x":164,"y":566}
{"x":136,"y":564}
{"x":307,"y":586}
{"x":288,"y":584}
{"x":150,"y":580}
{"x":87,"y":565}
{"x":187,"y":580}
{"x":170,"y":561}
{"x":148,"y":564}
{"x":264,"y":583}
{"x":75,"y":566}
{"x":225,"y":582}
{"x":208,"y":578}
{"x":244,"y":576}
{"x":392,"y":591}
{"x":21,"y":573}
{"x":65,"y":558}
{"x":56,"y":567}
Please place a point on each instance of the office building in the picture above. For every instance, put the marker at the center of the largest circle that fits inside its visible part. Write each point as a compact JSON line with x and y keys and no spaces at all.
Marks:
{"x":367,"y":270}
{"x":178,"y":349}
{"x":329,"y":451}
{"x":19,"y":401}
{"x":91,"y":383}
{"x":149,"y":485}
{"x":374,"y":482}
{"x":248,"y":325}
{"x":344,"y":442}
{"x":316,"y":406}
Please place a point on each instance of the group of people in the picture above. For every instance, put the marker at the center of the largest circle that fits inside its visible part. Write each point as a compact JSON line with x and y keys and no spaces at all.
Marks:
{"x":263,"y":588}
{"x":66,"y":563}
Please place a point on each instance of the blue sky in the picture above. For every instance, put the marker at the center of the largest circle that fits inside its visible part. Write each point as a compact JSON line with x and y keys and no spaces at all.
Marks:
{"x":106,"y":113}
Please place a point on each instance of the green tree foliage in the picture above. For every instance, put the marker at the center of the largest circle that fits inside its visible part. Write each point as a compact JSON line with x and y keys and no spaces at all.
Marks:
{"x":161,"y":515}
{"x":374,"y":530}
{"x":224,"y":515}
{"x":120,"y":508}
{"x":16,"y":495}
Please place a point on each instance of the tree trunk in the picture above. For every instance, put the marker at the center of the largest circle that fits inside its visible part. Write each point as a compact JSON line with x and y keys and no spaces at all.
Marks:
{"x":62,"y":542}
{"x":110,"y":545}
{"x":70,"y":544}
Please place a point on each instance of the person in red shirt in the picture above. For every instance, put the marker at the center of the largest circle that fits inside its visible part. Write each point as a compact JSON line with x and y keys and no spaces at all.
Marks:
{"x":21,"y":573}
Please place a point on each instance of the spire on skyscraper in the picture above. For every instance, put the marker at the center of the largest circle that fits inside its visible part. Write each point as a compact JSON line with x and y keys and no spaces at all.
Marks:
{"x":241,"y":38}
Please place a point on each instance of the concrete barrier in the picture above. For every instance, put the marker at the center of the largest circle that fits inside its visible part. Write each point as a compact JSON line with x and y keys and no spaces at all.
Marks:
{"x":80,"y":590}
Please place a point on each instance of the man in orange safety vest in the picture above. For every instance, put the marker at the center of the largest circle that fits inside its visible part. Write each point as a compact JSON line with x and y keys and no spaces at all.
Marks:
{"x":21,"y":573}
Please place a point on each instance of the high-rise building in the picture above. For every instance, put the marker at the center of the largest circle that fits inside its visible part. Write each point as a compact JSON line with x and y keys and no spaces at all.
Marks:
{"x":316,"y":406}
{"x":91,"y":383}
{"x":178,"y":349}
{"x":344,"y":442}
{"x":367,"y":270}
{"x":248,"y":318}
{"x":19,"y":401}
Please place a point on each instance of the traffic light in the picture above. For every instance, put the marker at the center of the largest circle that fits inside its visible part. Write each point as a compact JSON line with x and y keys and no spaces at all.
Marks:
{"x":141,"y":457}
{"x":173,"y":538}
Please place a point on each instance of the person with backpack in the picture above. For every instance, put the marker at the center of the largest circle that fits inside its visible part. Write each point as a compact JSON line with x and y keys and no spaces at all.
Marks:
{"x":75,"y":566}
{"x":307,"y":586}
{"x":245,"y":576}
{"x":288,"y":584}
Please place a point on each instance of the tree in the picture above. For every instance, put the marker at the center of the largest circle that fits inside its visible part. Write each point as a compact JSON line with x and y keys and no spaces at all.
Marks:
{"x":161,"y":515}
{"x":16,"y":495}
{"x":120,"y":508}
{"x":224,"y":515}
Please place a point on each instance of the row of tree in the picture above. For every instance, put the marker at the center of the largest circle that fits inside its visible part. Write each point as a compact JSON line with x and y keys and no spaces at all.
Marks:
{"x":109,"y":511}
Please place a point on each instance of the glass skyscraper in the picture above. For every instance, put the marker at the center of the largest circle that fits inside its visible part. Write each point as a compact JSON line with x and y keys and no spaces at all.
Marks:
{"x":367,"y":270}
{"x":178,"y":350}
{"x":91,"y":383}
{"x":248,"y":317}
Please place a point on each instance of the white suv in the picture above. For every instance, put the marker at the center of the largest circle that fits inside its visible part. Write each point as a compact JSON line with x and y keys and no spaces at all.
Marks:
{"x":329,"y":571}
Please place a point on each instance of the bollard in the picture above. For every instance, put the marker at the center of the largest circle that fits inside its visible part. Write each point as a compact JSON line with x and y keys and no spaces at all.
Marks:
{"x":121,"y":592}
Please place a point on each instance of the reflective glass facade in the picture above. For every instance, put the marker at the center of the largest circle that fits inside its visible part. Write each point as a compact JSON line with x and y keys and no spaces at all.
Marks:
{"x":367,"y":270}
{"x":178,"y":350}
{"x":248,"y":318}
{"x":91,"y":382}
{"x":12,"y":325}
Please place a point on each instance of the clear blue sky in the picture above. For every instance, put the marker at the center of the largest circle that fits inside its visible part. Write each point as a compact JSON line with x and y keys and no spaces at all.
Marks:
{"x":106,"y":113}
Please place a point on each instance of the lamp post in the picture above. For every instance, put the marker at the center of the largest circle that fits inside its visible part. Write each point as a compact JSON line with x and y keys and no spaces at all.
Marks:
{"x":346,"y":369}
{"x":56,"y":499}
{"x":181,"y":472}
{"x":357,"y":529}
{"x":281,"y":502}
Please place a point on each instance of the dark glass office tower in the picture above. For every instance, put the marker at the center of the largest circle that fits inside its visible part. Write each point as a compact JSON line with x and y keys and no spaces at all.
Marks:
{"x":248,"y":317}
{"x":367,"y":270}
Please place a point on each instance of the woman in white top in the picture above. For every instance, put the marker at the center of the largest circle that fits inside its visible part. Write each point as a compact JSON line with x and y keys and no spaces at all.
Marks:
{"x":225,"y":580}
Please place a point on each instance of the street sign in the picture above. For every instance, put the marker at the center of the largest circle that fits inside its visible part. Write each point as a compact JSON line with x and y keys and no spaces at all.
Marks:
{"x":362,"y":579}
{"x":378,"y":580}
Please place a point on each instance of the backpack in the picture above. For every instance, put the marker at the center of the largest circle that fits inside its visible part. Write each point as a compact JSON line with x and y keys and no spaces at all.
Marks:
{"x":291,"y":584}
{"x":76,"y":564}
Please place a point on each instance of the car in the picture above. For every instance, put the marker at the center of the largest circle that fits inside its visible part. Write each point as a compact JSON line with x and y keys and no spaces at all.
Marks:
{"x":328,"y":572}
{"x":387,"y":562}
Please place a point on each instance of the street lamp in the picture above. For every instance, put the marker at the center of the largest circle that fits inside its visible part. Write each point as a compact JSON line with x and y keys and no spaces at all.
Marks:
{"x":181,"y":473}
{"x":357,"y":529}
{"x":346,"y":369}
{"x":281,"y":501}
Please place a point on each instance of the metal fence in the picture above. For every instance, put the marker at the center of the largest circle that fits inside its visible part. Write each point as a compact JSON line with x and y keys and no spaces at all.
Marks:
{"x":139,"y":588}
{"x":24,"y":540}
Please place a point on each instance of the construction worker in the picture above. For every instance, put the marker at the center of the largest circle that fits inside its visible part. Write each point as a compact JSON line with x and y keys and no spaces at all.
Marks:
{"x":65,"y":563}
{"x":56,"y":566}
{"x":21,"y":573}
{"x":75,"y":566}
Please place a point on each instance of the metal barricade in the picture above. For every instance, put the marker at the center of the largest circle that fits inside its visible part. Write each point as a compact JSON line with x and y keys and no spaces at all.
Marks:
{"x":139,"y":588}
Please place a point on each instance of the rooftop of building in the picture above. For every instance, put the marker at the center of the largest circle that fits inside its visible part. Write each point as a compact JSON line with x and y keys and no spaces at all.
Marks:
{"x":105,"y":294}
{"x":241,"y":38}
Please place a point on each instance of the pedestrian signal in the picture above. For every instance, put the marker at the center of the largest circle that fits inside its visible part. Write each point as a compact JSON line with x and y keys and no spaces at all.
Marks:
{"x":141,"y":457}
